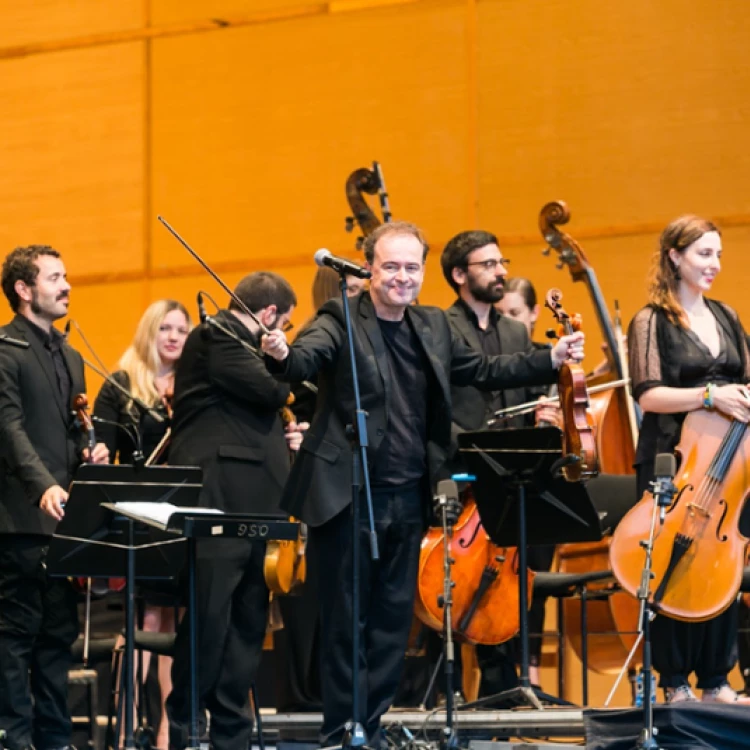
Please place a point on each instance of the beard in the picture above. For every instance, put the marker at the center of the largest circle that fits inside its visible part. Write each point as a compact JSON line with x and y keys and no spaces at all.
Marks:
{"x":489,"y":293}
{"x":40,"y":310}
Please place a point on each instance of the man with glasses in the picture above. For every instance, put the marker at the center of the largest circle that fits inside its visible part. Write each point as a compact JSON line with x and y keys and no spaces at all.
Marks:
{"x":475,"y":268}
{"x":226,"y":420}
{"x":407,"y":357}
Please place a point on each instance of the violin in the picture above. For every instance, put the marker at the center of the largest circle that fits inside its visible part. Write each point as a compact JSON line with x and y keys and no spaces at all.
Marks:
{"x":578,"y":426}
{"x":359,"y":182}
{"x":161,"y":447}
{"x":284,"y":567}
{"x":698,"y":554}
{"x":485,"y":606}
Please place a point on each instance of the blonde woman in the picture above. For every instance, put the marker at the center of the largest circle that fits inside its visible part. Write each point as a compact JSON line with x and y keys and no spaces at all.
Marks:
{"x":146,"y":369}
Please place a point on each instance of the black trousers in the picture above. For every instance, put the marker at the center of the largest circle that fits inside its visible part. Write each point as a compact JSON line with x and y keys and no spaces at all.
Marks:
{"x":707,"y":648}
{"x":386,"y":602}
{"x":38,"y":625}
{"x":296,"y":650}
{"x":232,"y":611}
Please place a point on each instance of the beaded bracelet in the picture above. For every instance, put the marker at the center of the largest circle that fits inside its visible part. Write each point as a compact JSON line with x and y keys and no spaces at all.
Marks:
{"x":708,"y":396}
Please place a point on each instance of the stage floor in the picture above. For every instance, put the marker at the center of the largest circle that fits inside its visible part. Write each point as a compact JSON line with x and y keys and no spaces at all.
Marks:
{"x":681,"y":727}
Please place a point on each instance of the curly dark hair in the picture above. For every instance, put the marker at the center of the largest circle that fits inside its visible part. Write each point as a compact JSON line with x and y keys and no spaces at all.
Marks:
{"x":263,"y":288}
{"x":20,"y":265}
{"x":457,"y":251}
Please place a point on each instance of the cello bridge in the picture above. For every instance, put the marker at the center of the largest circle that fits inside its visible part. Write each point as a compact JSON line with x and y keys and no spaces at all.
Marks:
{"x":698,"y":510}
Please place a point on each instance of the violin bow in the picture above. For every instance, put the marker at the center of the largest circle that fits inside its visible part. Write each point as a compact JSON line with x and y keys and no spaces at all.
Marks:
{"x":245,"y":309}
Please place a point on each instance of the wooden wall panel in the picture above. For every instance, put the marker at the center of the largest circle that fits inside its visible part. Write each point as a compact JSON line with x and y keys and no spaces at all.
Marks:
{"x":72,"y":136}
{"x":256,"y":129}
{"x":169,"y":11}
{"x":634,"y":110}
{"x":30,"y":21}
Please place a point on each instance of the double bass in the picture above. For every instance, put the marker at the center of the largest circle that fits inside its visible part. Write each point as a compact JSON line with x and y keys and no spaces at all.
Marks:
{"x":612,"y":614}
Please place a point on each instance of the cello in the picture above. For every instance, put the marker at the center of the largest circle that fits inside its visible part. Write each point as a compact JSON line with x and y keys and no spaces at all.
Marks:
{"x":698,"y":553}
{"x":485,"y":578}
{"x":612,"y":614}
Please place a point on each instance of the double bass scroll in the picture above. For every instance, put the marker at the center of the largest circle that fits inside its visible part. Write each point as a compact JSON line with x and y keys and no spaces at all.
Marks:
{"x":359,"y":182}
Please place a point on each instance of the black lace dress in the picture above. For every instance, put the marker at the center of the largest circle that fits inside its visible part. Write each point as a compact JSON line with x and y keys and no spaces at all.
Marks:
{"x":664,"y":354}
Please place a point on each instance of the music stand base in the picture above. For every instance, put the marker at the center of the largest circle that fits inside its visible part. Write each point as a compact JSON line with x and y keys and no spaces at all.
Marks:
{"x":513,"y":695}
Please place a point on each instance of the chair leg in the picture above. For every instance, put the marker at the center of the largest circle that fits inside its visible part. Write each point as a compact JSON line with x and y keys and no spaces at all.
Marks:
{"x":561,"y":649}
{"x":258,"y":720}
{"x":584,"y":647}
{"x":93,"y":715}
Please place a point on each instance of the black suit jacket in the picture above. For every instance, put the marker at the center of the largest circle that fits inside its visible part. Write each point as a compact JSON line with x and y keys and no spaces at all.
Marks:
{"x":226,"y":420}
{"x":319,"y":486}
{"x":40,"y":445}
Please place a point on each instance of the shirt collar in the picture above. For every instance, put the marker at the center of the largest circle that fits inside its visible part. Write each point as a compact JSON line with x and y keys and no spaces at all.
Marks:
{"x":472,"y":316}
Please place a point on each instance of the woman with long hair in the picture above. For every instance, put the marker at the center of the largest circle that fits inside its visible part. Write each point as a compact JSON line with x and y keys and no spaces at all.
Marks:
{"x":146,"y":370}
{"x":687,"y":352}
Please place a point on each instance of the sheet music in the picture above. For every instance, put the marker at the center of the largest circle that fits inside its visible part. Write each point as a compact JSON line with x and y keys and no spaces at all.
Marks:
{"x":161,"y":512}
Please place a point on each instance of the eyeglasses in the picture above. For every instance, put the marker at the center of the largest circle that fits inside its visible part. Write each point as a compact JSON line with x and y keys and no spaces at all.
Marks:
{"x":492,"y":264}
{"x":287,"y":327}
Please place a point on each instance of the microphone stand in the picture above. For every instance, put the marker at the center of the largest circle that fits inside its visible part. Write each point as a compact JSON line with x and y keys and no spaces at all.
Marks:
{"x":354,"y":736}
{"x":449,"y":740}
{"x":663,"y":494}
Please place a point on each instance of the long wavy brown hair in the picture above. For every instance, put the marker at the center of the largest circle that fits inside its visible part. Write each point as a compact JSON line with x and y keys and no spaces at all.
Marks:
{"x":664,"y":276}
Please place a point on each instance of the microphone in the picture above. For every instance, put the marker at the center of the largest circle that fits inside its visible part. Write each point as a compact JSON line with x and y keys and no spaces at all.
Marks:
{"x":324,"y":257}
{"x":447,"y":502}
{"x":135,"y":435}
{"x":663,"y":488}
{"x":201,"y":308}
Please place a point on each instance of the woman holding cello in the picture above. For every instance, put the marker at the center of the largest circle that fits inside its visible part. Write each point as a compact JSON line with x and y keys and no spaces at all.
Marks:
{"x":687,"y":353}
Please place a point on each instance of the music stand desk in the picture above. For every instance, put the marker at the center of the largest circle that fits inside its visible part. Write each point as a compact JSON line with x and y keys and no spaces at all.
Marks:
{"x":198,"y":523}
{"x":512,"y":466}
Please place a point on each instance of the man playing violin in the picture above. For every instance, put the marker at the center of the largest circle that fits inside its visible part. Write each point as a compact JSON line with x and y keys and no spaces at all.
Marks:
{"x":40,"y":449}
{"x":407,"y":357}
{"x":226,"y":420}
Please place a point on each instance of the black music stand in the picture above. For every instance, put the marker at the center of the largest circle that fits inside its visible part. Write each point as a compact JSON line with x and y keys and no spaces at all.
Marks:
{"x":513,"y":466}
{"x":194,"y":524}
{"x":89,"y":542}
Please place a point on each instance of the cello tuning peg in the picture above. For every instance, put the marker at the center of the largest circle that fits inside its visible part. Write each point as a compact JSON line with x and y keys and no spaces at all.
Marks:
{"x":349,"y":223}
{"x":559,"y":266}
{"x":360,"y":242}
{"x":550,"y":333}
{"x":547,"y":250}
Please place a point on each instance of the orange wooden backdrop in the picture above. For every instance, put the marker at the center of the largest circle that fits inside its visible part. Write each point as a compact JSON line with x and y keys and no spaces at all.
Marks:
{"x":239,"y":121}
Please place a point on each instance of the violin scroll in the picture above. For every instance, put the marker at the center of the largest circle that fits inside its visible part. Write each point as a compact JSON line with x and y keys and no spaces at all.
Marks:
{"x":80,"y":406}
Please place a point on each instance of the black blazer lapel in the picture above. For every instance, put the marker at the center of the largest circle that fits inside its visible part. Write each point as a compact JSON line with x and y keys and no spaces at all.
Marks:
{"x":458,"y":317}
{"x":368,"y":322}
{"x":45,"y":361}
{"x":77,"y":379}
{"x":425,"y":335}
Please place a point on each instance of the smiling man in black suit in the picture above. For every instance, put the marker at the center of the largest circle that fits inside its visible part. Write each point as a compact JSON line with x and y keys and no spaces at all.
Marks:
{"x":407,"y":357}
